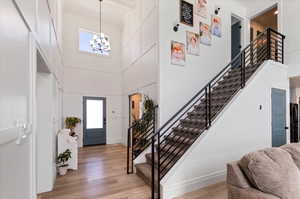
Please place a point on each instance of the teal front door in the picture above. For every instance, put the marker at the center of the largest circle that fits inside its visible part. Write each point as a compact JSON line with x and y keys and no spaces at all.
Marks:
{"x":278,"y":117}
{"x":94,"y":121}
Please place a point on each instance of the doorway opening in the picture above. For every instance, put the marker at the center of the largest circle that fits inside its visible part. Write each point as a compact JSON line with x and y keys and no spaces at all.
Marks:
{"x":236,"y":39}
{"x":135,"y":107}
{"x":94,"y":121}
{"x":264,"y":20}
{"x":294,"y":122}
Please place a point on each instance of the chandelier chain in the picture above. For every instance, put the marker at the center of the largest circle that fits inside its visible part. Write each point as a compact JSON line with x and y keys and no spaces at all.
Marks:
{"x":100,"y":43}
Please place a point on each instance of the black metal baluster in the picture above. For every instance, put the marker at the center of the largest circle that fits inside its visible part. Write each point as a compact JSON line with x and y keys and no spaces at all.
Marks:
{"x":128,"y":150}
{"x":206,"y":108}
{"x":243,"y":69}
{"x":158,"y":166}
{"x":251,"y":55}
{"x":282,"y":48}
{"x":269,"y":44}
{"x":209,"y":105}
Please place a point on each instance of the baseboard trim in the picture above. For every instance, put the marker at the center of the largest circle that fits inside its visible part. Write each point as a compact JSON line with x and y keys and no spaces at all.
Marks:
{"x":179,"y":189}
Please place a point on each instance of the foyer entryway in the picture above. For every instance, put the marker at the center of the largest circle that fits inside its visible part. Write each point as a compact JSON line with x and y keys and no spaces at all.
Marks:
{"x":102,"y":175}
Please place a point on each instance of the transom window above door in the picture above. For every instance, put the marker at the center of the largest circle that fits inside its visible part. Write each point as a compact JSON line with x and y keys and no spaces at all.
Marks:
{"x":85,"y":37}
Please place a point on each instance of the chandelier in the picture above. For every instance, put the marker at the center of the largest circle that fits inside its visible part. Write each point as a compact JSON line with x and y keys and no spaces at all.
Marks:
{"x":100,"y":43}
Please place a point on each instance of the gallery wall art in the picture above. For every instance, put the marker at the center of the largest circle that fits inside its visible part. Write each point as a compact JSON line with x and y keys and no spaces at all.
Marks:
{"x":201,"y":8}
{"x":205,"y":34}
{"x":186,"y":13}
{"x":193,"y":43}
{"x":177,"y":53}
{"x":216,"y":26}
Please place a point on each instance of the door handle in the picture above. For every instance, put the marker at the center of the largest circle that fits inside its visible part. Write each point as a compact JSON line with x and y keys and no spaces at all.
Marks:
{"x":286,"y":128}
{"x":104,"y":121}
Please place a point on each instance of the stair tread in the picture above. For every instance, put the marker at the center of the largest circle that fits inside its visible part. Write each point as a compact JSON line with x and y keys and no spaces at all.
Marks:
{"x":180,"y":139}
{"x":188,"y":129}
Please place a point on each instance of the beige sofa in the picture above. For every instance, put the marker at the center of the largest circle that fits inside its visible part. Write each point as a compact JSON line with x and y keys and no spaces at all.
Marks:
{"x":266,"y":174}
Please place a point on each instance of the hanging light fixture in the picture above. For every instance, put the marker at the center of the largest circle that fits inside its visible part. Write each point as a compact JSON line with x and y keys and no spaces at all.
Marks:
{"x":100,"y":43}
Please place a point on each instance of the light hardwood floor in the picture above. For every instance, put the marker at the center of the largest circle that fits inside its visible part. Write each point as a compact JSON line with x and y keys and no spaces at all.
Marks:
{"x":102,"y":175}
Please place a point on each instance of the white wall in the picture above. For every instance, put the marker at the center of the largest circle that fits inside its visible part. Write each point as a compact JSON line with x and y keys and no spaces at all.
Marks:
{"x":292,"y":47}
{"x":25,"y":28}
{"x":46,"y":133}
{"x":15,"y":160}
{"x":242,"y":125}
{"x":178,"y":84}
{"x":92,"y":75}
{"x":139,"y":55}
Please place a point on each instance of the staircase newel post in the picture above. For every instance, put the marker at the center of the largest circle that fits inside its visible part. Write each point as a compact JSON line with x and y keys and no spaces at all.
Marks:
{"x":158,"y":165}
{"x":152,"y":168}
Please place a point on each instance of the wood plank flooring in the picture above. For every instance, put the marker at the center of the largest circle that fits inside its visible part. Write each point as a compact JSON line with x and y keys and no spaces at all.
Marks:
{"x":102,"y":175}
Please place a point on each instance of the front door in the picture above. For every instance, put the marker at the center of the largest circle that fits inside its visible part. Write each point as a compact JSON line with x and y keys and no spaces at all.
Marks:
{"x":278,"y":117}
{"x":94,"y":121}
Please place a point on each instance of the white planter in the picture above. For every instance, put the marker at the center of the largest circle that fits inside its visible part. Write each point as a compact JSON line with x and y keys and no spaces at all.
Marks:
{"x":62,"y":171}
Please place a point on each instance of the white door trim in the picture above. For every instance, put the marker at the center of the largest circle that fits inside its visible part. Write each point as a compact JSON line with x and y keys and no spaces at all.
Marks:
{"x":32,"y":113}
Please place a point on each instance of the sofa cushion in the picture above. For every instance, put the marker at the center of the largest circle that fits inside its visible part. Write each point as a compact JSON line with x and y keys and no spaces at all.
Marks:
{"x":294,"y":151}
{"x":273,"y":171}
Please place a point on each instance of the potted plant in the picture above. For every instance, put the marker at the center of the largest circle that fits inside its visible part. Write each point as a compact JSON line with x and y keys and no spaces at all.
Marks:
{"x":71,"y":123}
{"x":62,"y":160}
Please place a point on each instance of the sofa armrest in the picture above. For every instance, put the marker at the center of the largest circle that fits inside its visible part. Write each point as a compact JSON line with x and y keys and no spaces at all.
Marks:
{"x":247,"y":193}
{"x":236,"y":177}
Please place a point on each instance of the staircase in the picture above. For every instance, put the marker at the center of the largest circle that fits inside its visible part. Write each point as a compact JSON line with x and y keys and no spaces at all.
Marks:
{"x":191,"y":127}
{"x":175,"y":137}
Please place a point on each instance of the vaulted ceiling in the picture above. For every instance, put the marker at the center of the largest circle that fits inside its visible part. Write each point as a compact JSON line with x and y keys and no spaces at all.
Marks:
{"x":113,"y":10}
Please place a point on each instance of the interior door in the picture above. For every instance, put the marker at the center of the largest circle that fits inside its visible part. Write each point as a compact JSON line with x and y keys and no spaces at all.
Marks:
{"x":94,"y":121}
{"x":16,"y":174}
{"x":278,"y":117}
{"x":294,"y":123}
{"x":236,"y":43}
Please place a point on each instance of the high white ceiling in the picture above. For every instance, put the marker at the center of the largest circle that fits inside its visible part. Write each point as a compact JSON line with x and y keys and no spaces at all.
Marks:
{"x":113,"y":10}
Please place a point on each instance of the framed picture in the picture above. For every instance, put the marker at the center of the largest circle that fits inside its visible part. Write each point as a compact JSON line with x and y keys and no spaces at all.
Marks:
{"x":193,"y":43}
{"x":186,"y":13}
{"x":205,"y":34}
{"x":201,"y":8}
{"x":177,"y":53}
{"x":216,"y":26}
